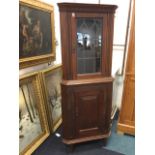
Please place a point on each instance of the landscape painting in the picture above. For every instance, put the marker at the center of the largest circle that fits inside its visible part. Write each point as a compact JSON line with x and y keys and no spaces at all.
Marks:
{"x":32,"y":124}
{"x":52,"y":80}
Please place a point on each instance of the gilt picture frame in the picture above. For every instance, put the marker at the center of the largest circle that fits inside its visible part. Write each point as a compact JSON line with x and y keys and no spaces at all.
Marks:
{"x":33,"y":124}
{"x":36,"y":33}
{"x":51,"y":84}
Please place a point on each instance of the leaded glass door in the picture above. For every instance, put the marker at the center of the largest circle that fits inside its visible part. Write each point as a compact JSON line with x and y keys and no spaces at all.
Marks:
{"x":89,"y":44}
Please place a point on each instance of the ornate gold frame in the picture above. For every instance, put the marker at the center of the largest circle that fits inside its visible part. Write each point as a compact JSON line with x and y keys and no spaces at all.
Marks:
{"x":34,"y":60}
{"x":34,"y":78}
{"x":52,"y":126}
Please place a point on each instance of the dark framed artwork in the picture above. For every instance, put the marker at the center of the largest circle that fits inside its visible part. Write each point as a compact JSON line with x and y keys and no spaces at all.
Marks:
{"x":51,"y":85}
{"x":36,"y":33}
{"x":33,"y":125}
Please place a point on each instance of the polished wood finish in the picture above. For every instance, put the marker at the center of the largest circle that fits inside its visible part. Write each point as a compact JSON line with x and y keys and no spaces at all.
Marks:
{"x":126,"y":122}
{"x":69,"y":12}
{"x":86,"y":108}
{"x":84,"y":139}
{"x":86,"y":98}
{"x":89,"y":8}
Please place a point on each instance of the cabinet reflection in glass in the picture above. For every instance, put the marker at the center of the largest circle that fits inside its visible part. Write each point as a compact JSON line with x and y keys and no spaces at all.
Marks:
{"x":89,"y":42}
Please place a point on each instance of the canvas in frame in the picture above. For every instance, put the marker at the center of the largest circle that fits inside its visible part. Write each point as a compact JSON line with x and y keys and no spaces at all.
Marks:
{"x":33,"y":125}
{"x":36,"y":33}
{"x":51,"y":84}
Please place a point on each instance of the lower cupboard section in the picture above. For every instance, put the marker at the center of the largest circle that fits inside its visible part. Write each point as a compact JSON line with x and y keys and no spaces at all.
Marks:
{"x":86,"y":110}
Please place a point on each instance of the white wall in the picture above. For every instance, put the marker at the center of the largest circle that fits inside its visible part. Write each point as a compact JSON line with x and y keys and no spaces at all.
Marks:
{"x":120,"y":25}
{"x":119,"y":32}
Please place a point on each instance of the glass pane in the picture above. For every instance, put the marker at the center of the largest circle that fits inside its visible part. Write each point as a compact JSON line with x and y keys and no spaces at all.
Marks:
{"x":89,"y":43}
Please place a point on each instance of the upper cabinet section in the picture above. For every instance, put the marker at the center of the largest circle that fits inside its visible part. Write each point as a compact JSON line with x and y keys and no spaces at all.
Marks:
{"x":86,"y":36}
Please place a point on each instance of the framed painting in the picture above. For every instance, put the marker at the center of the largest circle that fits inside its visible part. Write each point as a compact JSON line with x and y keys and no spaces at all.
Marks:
{"x":33,"y":125}
{"x":36,"y":33}
{"x":51,"y":85}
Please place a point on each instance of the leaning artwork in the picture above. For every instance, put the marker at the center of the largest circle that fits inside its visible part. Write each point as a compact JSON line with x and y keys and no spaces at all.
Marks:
{"x":52,"y":78}
{"x":33,"y":129}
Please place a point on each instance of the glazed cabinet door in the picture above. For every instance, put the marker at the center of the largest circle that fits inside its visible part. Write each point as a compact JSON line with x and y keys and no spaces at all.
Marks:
{"x":88,"y":44}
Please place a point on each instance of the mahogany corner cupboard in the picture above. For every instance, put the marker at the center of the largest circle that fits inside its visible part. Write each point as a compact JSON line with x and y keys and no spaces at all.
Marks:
{"x":86,"y":40}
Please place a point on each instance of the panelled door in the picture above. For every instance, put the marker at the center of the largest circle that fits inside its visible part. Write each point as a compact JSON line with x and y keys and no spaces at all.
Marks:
{"x":90,"y":109}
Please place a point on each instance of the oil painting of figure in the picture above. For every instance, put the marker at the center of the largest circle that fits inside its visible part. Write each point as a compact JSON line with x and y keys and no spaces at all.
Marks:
{"x":53,"y":81}
{"x":29,"y":122}
{"x":35,"y":37}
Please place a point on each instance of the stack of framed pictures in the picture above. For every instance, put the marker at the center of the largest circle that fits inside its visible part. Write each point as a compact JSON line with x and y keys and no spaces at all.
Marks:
{"x":39,"y":107}
{"x":39,"y":93}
